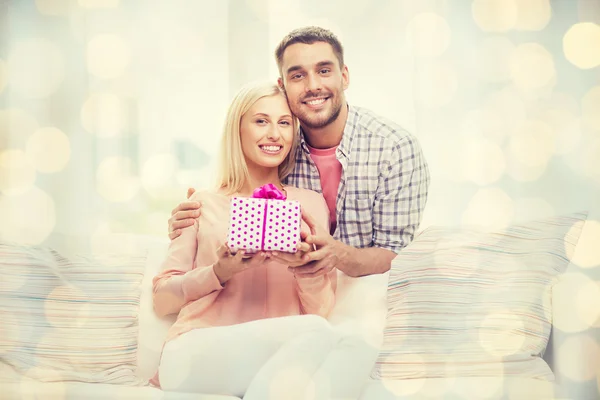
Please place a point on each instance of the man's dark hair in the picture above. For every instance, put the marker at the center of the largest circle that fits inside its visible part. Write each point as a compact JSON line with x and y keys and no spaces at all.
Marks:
{"x":309,"y":35}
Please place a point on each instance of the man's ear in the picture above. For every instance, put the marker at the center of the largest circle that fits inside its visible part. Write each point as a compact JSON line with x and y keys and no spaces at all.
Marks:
{"x":345,"y":77}
{"x":280,"y":83}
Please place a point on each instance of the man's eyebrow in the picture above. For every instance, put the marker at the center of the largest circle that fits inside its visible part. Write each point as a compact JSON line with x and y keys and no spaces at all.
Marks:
{"x":325,"y":63}
{"x":320,"y":64}
{"x":293,"y":68}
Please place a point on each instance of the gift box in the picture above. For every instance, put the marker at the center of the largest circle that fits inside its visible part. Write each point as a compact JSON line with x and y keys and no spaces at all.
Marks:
{"x":265,"y":221}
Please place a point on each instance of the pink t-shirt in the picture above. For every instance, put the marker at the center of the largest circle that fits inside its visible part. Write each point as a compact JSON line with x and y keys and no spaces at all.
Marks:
{"x":330,"y":171}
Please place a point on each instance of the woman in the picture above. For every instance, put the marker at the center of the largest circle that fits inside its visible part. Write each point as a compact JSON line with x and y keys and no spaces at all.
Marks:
{"x":240,"y":318}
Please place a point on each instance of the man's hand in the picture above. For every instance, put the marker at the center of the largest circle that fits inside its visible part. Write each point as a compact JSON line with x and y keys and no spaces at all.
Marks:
{"x":183,"y":215}
{"x":317,"y":255}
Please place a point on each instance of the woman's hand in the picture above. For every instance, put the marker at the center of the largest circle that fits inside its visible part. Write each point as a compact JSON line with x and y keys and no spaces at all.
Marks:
{"x":230,"y":264}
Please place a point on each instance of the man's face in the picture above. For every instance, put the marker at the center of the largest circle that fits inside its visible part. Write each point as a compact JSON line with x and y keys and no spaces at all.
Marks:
{"x":314,"y":83}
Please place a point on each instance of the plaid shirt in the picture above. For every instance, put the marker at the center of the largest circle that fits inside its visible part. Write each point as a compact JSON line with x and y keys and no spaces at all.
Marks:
{"x":384,"y":183}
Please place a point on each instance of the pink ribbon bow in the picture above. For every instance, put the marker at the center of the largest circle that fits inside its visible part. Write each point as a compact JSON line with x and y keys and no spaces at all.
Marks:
{"x":268,"y":191}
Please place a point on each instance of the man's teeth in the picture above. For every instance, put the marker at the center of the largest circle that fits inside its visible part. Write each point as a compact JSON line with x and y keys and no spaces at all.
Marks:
{"x":316,"y":102}
{"x":271,"y":148}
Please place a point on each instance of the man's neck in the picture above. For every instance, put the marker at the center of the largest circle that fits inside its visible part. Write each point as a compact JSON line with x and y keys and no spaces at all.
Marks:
{"x":328,"y":136}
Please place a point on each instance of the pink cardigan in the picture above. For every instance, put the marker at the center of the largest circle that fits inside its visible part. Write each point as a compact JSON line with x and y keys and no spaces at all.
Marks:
{"x":188,"y":285}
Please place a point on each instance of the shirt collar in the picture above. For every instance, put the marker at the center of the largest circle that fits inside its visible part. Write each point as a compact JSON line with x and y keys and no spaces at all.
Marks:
{"x":347,"y":137}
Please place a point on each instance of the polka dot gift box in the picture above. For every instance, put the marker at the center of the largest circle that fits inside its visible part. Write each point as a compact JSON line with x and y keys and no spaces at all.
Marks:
{"x":265,"y":221}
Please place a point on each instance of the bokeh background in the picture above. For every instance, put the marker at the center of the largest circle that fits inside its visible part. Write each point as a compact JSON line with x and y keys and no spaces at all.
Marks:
{"x":110,"y":110}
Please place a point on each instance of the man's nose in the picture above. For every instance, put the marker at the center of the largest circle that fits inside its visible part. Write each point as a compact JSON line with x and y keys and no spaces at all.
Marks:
{"x":313,"y":83}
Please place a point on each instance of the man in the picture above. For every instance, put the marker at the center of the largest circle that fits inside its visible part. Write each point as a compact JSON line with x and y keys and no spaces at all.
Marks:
{"x":371,"y":172}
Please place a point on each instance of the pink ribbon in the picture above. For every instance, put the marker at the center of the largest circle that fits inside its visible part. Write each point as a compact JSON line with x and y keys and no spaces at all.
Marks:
{"x":268,"y":191}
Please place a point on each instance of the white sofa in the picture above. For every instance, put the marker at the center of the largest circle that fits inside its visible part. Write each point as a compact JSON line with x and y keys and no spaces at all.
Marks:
{"x":361,"y":306}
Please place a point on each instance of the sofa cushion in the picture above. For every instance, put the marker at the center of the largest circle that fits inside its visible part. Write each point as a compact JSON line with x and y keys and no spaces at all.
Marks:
{"x":468,"y":302}
{"x":69,"y":319}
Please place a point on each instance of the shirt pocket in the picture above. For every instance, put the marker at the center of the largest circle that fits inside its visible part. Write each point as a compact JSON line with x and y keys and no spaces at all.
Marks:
{"x":359,"y":222}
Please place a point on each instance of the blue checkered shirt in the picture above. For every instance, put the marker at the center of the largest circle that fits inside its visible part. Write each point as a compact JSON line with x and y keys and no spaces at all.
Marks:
{"x":384,"y":183}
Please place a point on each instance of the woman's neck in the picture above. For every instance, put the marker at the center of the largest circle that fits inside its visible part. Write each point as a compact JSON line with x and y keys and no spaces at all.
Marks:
{"x":258,"y":179}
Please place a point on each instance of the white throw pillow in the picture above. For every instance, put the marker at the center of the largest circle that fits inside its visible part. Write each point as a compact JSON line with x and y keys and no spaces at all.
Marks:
{"x":70,"y":319}
{"x":469,"y":302}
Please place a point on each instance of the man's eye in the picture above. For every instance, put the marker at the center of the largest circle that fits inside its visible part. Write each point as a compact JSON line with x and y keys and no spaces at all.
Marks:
{"x":325,"y":71}
{"x":296,"y":76}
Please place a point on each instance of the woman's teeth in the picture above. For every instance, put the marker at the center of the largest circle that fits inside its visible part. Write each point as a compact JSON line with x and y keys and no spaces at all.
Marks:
{"x":271,"y":149}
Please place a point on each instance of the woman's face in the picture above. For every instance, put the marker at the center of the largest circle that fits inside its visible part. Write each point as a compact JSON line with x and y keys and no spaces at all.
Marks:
{"x":267,"y":132}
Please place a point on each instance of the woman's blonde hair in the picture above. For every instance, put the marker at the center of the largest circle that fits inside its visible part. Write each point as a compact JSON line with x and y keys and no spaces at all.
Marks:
{"x":233,"y":170}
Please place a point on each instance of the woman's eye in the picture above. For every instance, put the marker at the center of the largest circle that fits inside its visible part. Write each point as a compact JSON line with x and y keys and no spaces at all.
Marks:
{"x":285,"y":123}
{"x":261,"y":121}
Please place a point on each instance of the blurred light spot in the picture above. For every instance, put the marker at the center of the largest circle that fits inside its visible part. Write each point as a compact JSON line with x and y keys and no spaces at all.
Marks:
{"x":500,"y":334}
{"x":16,"y":124}
{"x":17,"y":173}
{"x":490,"y":208}
{"x":568,"y":302}
{"x":441,"y":156}
{"x":49,"y":150}
{"x":587,"y":303}
{"x":590,"y":104}
{"x":104,"y":114}
{"x":158,"y":173}
{"x":428,"y":35}
{"x":482,"y":161}
{"x":436,"y":84}
{"x":581,"y":45}
{"x":407,"y":387}
{"x":589,"y":160}
{"x":533,"y":144}
{"x":484,"y":123}
{"x":27,"y":217}
{"x":66,"y":307}
{"x":292,"y":377}
{"x":181,"y":47}
{"x":116,"y":180}
{"x":522,"y":172}
{"x":533,"y":15}
{"x":532,"y":66}
{"x":494,"y":15}
{"x":3,"y":75}
{"x":586,"y":254}
{"x":98,"y":3}
{"x":508,"y":109}
{"x":528,"y":208}
{"x":37,"y":67}
{"x":567,"y":130}
{"x":107,"y":56}
{"x":53,"y":7}
{"x":580,"y":358}
{"x":491,"y":58}
{"x":34,"y":385}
